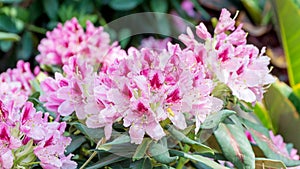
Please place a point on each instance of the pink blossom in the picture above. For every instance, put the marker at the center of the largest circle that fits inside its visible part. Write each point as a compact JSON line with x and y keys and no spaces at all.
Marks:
{"x":188,"y":7}
{"x":148,"y":87}
{"x":155,"y":44}
{"x":70,"y":39}
{"x":50,"y":151}
{"x":225,"y":22}
{"x":15,"y":84}
{"x":281,"y":145}
{"x":229,"y":60}
{"x":7,"y":144}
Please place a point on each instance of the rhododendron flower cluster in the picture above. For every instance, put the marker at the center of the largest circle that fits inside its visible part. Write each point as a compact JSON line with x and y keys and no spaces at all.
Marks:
{"x":145,"y":87}
{"x":25,"y":133}
{"x":15,"y":83}
{"x":228,"y":59}
{"x":70,"y":39}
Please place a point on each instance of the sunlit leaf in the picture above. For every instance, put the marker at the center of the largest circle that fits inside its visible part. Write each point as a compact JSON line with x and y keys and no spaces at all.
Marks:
{"x":287,"y":17}
{"x":283,"y":113}
{"x":262,"y":163}
{"x":9,"y":36}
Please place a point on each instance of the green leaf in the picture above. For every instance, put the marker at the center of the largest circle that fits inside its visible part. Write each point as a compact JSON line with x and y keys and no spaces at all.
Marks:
{"x":110,"y":159}
{"x":262,"y":163}
{"x":159,"y":5}
{"x":199,"y":158}
{"x":287,"y":17}
{"x":5,"y":46}
{"x":263,"y":115}
{"x":9,"y":36}
{"x":120,"y":140}
{"x":142,"y":149}
{"x":262,"y":139}
{"x":25,"y":46}
{"x":200,"y":148}
{"x":214,"y":119}
{"x":254,"y":10}
{"x":124,"y":37}
{"x":235,"y":145}
{"x":77,"y":141}
{"x":124,"y":5}
{"x":7,"y":24}
{"x":11,"y":1}
{"x":160,"y":152}
{"x":142,"y":164}
{"x":51,"y":8}
{"x":120,"y":146}
{"x":94,"y":134}
{"x":287,"y":91}
{"x":284,"y":115}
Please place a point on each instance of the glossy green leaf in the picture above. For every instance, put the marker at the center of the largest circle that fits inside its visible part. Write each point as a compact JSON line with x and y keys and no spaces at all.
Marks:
{"x":51,"y":8}
{"x":110,"y":159}
{"x":287,"y":91}
{"x":159,"y":5}
{"x":199,"y":158}
{"x":120,"y":146}
{"x":160,"y":152}
{"x":262,"y":139}
{"x":77,"y":141}
{"x":254,"y":10}
{"x":142,"y":164}
{"x":262,"y":163}
{"x":214,"y":119}
{"x":94,"y":134}
{"x":25,"y":46}
{"x":9,"y":36}
{"x":284,"y":115}
{"x":200,"y":148}
{"x":7,"y":24}
{"x":119,"y":140}
{"x":142,"y":149}
{"x":235,"y":145}
{"x":11,"y":1}
{"x":263,"y":115}
{"x":124,"y":5}
{"x":287,"y":17}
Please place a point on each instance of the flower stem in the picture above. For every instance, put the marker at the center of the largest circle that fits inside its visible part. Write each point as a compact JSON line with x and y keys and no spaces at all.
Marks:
{"x":101,"y":141}
{"x":183,"y":160}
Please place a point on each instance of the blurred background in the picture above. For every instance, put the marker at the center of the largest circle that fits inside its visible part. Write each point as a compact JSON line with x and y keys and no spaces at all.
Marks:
{"x":274,"y":24}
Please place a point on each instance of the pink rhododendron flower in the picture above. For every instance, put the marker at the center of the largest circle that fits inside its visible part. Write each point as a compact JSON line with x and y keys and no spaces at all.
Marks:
{"x":149,"y":87}
{"x":27,"y":127}
{"x":281,"y":145}
{"x":155,"y":44}
{"x":188,"y":7}
{"x":15,"y":84}
{"x":51,"y":150}
{"x":228,"y":59}
{"x":70,"y":39}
